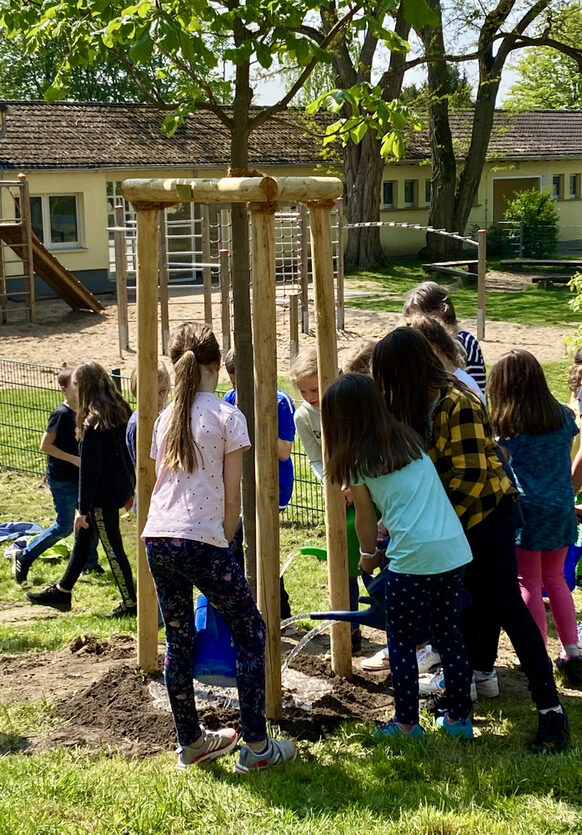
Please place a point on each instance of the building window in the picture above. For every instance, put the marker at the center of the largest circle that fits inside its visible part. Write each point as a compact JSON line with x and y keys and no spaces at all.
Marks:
{"x":557,"y":192}
{"x":409,"y":193}
{"x":427,"y":191}
{"x":574,"y":186}
{"x":388,"y":194}
{"x":55,"y":219}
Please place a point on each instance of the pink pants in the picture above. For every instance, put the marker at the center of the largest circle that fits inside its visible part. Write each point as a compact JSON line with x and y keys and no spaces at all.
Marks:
{"x":546,"y":568}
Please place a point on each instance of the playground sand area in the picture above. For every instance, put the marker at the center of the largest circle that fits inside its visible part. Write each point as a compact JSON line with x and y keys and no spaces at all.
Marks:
{"x":102,"y":701}
{"x":63,"y":336}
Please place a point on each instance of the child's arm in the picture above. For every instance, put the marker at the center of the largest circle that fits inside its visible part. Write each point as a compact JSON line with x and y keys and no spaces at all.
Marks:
{"x":311,"y":444}
{"x":366,"y":527}
{"x":47,"y":445}
{"x":232,"y":472}
{"x":284,"y":449}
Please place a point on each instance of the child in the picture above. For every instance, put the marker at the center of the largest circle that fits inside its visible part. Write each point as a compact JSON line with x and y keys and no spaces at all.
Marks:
{"x":308,"y":424}
{"x":60,"y":444}
{"x":447,"y":349}
{"x":384,"y":463}
{"x":433,"y":300}
{"x":106,"y":483}
{"x":459,"y":440}
{"x":285,"y":438}
{"x":163,"y":391}
{"x":537,"y":431}
{"x":358,"y":358}
{"x":198,"y":445}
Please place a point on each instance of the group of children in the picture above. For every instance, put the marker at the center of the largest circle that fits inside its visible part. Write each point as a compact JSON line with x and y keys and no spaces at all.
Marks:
{"x":410,"y":442}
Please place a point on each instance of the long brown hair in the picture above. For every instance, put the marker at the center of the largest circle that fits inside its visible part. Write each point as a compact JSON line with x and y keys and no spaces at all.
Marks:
{"x":439,"y":338}
{"x":190,"y":347}
{"x":520,"y":400}
{"x":362,"y":437}
{"x":101,"y":406}
{"x":405,"y":368}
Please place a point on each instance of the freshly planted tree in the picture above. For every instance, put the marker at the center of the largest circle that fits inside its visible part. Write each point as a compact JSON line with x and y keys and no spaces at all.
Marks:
{"x":538,"y":217}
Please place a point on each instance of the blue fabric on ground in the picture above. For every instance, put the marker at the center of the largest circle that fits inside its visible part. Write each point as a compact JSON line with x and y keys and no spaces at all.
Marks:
{"x":12,"y":530}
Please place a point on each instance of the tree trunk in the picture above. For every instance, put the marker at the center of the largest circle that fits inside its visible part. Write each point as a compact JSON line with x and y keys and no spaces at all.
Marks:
{"x":364,"y":168}
{"x":243,"y":338}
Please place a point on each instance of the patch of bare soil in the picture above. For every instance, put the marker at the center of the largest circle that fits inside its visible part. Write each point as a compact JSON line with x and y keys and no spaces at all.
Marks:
{"x":74,"y":337}
{"x":105,"y":703}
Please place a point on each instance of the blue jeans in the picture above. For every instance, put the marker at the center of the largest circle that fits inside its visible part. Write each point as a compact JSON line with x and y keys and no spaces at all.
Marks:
{"x":64,"y":495}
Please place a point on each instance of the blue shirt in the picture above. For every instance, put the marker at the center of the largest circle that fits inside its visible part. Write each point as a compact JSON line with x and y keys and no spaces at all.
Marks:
{"x":286,"y":432}
{"x":541,"y":468}
{"x":426,"y":536}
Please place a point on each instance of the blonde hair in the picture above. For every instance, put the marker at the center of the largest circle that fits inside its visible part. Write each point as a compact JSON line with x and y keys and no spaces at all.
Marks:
{"x":163,"y":377}
{"x":575,"y":373}
{"x":304,"y":365}
{"x":101,"y":406}
{"x":438,"y":337}
{"x":190,"y":347}
{"x":358,"y":359}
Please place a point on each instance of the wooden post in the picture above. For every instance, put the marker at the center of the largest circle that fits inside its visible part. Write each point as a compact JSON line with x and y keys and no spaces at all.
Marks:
{"x":293,"y":324}
{"x":225,"y":298}
{"x":481,"y":281}
{"x":206,"y":269}
{"x":26,"y":252}
{"x":147,"y":387}
{"x":266,"y":458}
{"x":163,"y":279}
{"x":3,"y":294}
{"x":335,"y":508}
{"x":304,"y":269}
{"x":341,"y":320}
{"x":120,"y":242}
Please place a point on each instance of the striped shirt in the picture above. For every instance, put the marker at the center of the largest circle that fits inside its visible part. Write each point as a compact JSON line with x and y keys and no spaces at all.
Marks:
{"x":474,"y":362}
{"x":462,"y":447}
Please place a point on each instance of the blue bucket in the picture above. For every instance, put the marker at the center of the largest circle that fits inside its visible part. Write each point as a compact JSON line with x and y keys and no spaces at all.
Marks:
{"x":572,"y":558}
{"x":214,"y":654}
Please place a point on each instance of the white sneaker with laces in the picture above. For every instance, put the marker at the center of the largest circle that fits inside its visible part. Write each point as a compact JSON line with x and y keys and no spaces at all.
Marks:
{"x":378,"y":661}
{"x":433,"y":684}
{"x":215,"y":744}
{"x":427,"y":658}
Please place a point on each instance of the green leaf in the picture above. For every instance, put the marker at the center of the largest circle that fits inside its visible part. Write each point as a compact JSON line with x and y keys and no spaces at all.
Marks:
{"x":418,"y":13}
{"x":264,"y":55}
{"x":142,"y":49}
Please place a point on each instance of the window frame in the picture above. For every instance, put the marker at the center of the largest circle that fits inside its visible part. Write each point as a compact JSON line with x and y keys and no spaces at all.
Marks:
{"x":574,"y":179}
{"x":391,"y":205}
{"x":408,"y":204}
{"x":45,"y":206}
{"x":557,"y":180}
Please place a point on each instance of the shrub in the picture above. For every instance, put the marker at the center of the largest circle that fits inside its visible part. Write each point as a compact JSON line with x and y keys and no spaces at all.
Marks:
{"x":538,"y":214}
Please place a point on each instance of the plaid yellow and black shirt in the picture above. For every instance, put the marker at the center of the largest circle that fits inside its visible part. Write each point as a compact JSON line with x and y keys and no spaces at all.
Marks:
{"x":462,"y":448}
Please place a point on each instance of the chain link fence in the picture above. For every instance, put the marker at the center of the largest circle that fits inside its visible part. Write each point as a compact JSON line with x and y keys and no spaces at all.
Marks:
{"x":28,"y":395}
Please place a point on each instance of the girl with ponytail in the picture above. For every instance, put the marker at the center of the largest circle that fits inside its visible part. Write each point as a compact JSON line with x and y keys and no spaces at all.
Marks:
{"x":198,"y":443}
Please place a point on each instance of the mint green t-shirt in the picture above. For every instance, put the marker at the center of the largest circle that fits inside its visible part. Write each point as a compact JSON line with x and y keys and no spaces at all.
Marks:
{"x":426,"y":536}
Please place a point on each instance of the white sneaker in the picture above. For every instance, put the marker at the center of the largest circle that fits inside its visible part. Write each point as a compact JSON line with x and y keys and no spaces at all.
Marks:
{"x":487,"y":684}
{"x":378,"y":661}
{"x":433,"y":684}
{"x":427,"y":658}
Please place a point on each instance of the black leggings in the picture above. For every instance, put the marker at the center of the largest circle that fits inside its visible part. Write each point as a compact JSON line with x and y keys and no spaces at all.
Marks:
{"x":496,"y":603}
{"x":105,"y":520}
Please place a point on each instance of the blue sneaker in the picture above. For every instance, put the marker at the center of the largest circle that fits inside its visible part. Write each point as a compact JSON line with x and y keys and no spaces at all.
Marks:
{"x":392,"y":728}
{"x":460,"y":727}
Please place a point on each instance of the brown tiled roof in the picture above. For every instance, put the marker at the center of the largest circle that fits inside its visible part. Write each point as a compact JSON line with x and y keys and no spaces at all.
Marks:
{"x":94,"y":135}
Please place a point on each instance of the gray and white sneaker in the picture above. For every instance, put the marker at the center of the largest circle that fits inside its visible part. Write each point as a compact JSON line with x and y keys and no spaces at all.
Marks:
{"x":433,"y":684}
{"x":278,"y":751}
{"x":426,"y":658}
{"x":20,"y":567}
{"x":216,"y":743}
{"x":487,"y":684}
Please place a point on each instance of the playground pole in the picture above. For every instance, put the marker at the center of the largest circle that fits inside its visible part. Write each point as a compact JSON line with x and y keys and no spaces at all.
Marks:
{"x":147,"y":387}
{"x":266,"y":458}
{"x":335,"y":505}
{"x":481,"y":281}
{"x":121,"y":278}
{"x":163,"y":279}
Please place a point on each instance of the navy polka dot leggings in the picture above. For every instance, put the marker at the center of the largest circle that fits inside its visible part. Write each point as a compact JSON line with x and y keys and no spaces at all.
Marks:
{"x":412,"y":602}
{"x":177,"y":565}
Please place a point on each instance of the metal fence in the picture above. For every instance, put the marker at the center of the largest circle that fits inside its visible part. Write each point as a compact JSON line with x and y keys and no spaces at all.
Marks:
{"x":28,"y":395}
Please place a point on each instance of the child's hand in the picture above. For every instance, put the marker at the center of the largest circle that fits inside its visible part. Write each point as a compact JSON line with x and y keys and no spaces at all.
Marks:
{"x":129,"y":503}
{"x":347,"y":495}
{"x":369,"y":563}
{"x":80,"y":522}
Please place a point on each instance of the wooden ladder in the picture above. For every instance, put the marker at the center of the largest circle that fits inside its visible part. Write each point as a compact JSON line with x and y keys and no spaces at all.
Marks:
{"x":15,"y":219}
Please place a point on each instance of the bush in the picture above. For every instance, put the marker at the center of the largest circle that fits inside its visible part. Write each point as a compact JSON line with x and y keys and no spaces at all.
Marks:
{"x":538,"y":214}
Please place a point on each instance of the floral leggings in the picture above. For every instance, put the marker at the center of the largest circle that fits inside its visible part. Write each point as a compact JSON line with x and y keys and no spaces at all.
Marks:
{"x":177,"y":565}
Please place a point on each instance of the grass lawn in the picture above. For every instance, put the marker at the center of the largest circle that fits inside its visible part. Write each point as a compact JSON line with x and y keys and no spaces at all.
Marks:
{"x":345,"y":783}
{"x":532,"y":306}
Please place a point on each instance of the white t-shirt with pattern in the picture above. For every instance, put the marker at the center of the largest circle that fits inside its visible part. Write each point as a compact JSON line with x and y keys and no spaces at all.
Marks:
{"x":191,"y":505}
